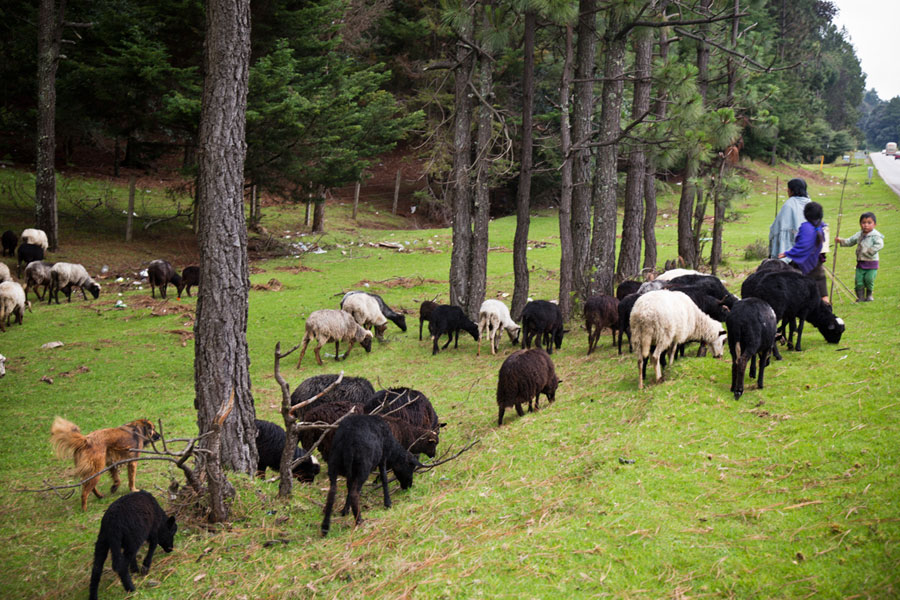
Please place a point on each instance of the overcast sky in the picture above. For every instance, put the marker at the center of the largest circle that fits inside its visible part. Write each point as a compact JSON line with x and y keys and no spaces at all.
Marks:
{"x":874,"y":30}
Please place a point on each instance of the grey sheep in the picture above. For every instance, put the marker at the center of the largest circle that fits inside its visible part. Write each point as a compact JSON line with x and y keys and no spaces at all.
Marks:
{"x":336,"y":326}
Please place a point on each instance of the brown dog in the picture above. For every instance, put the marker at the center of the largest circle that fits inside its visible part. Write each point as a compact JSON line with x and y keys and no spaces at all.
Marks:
{"x":94,"y":451}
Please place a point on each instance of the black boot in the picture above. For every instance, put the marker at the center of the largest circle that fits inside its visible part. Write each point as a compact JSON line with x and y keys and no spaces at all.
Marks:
{"x":869,"y":296}
{"x":860,"y":294}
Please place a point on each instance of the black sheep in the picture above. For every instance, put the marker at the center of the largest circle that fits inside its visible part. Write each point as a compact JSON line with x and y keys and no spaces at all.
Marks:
{"x":425,"y":311}
{"x":190,"y":276}
{"x":329,"y":414}
{"x":410,"y":405}
{"x":416,"y":439}
{"x":449,"y":320}
{"x":793,"y":295}
{"x":709,"y":284}
{"x":751,"y":328}
{"x":543,"y":319}
{"x":270,"y":440}
{"x":26,"y":254}
{"x":130,"y":521}
{"x":356,"y":390}
{"x":389,"y":313}
{"x":624,"y":310}
{"x":774,"y":264}
{"x":161,"y":274}
{"x":9,"y":241}
{"x":362,"y":443}
{"x":625,"y":288}
{"x":524,"y":376}
{"x":600,"y":312}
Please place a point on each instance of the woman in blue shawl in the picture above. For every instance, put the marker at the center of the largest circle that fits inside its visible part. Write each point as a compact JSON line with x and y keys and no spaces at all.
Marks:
{"x":790,"y":217}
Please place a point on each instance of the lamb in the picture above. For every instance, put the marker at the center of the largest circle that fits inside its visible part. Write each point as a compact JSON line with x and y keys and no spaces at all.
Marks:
{"x":10,"y":240}
{"x":12,"y":303}
{"x":190,"y":276}
{"x":793,"y":295}
{"x":600,"y":312}
{"x":389,"y":313}
{"x":449,"y":319}
{"x":270,"y":440}
{"x":493,"y":318}
{"x":36,"y":237}
{"x":626,"y":287}
{"x":365,"y":310}
{"x":328,"y":325}
{"x":543,"y":319}
{"x":63,"y":276}
{"x":425,"y":311}
{"x":37,"y":274}
{"x":161,"y":274}
{"x":751,"y":332}
{"x":327,"y":414}
{"x":28,"y":253}
{"x":362,"y":443}
{"x":525,"y":375}
{"x":356,"y":390}
{"x":673,"y":273}
{"x":5,"y":275}
{"x":667,"y":319}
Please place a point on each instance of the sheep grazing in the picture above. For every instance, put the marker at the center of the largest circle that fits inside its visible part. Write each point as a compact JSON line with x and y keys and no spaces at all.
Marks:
{"x":543,"y":319}
{"x":356,"y":390}
{"x":774,"y":264}
{"x":325,"y":414}
{"x":5,"y":275}
{"x":410,"y":405}
{"x":524,"y":376}
{"x":625,"y":288}
{"x":37,"y":274}
{"x":362,"y":443}
{"x":450,"y":320}
{"x":425,"y":311}
{"x":9,"y":240}
{"x":364,"y":309}
{"x":36,"y":237}
{"x":493,"y":318}
{"x":161,"y":273}
{"x":666,"y":319}
{"x":12,"y":303}
{"x":751,"y":332}
{"x":63,"y":276}
{"x":600,"y":312}
{"x":2,"y":365}
{"x":673,"y":273}
{"x":328,"y":325}
{"x":624,"y":311}
{"x":708,"y":284}
{"x":389,"y":313}
{"x":793,"y":295}
{"x":28,"y":253}
{"x":190,"y":276}
{"x":270,"y":440}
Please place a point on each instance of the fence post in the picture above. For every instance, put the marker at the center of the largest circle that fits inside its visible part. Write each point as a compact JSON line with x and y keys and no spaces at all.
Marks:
{"x":131,"y":183}
{"x":396,"y":193}
{"x":355,"y":199}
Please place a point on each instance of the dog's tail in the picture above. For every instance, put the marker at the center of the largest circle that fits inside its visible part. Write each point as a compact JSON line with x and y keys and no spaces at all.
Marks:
{"x":66,"y":438}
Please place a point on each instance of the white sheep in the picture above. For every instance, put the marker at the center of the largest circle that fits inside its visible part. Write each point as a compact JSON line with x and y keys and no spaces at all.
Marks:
{"x":667,"y":319}
{"x":2,"y":365}
{"x":12,"y":302}
{"x":65,"y":275}
{"x":34,"y":236}
{"x":328,"y":325}
{"x":37,"y":274}
{"x":673,"y":273}
{"x":5,"y":275}
{"x":494,"y":317}
{"x":366,"y":312}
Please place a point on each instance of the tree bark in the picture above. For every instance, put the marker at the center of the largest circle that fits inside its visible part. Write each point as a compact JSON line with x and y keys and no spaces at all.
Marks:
{"x":523,"y":196}
{"x":50,"y":19}
{"x":565,"y":192}
{"x":659,"y":110}
{"x":221,"y":362}
{"x":318,"y":224}
{"x":581,"y":153}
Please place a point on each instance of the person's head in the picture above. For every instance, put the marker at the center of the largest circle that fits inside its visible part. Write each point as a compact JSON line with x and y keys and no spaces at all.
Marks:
{"x":867,"y":222}
{"x":813,"y":213}
{"x":797,"y":187}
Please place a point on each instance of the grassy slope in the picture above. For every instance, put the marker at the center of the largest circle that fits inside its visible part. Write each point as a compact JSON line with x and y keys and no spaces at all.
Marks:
{"x":790,"y":492}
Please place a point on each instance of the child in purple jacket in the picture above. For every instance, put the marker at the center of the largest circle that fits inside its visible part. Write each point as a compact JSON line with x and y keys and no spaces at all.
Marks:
{"x":806,"y":255}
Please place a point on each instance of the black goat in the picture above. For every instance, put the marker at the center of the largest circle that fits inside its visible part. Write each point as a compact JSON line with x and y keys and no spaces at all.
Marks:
{"x":450,"y":320}
{"x":543,"y":319}
{"x":751,"y":332}
{"x":190,"y":276}
{"x":625,"y":288}
{"x":362,"y":443}
{"x":270,"y":440}
{"x":425,"y":311}
{"x":600,"y":312}
{"x":26,"y":254}
{"x":389,"y":313}
{"x":356,"y":390}
{"x":524,"y":376}
{"x":9,"y":241}
{"x":161,"y":273}
{"x":708,"y":284}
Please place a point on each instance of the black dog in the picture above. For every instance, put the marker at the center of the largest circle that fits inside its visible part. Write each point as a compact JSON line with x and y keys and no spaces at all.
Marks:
{"x":130,"y":521}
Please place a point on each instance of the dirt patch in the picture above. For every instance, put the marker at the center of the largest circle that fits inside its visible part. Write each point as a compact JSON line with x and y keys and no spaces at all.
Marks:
{"x":295,"y":270}
{"x":404,"y":282}
{"x":74,"y":372}
{"x":185,"y":335}
{"x":272,"y":286}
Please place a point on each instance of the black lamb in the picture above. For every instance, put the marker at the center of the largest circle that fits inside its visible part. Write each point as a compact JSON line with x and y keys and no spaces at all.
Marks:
{"x":356,"y":390}
{"x":627,"y":287}
{"x":389,"y":313}
{"x":425,"y":311}
{"x":190,"y":276}
{"x":9,"y":241}
{"x":793,"y":295}
{"x":130,"y":521}
{"x":362,"y":443}
{"x":751,"y":328}
{"x":524,"y":376}
{"x":270,"y":440}
{"x":26,"y":254}
{"x":449,"y":320}
{"x":542,"y":321}
{"x":327,"y":414}
{"x":600,"y":312}
{"x":161,"y":273}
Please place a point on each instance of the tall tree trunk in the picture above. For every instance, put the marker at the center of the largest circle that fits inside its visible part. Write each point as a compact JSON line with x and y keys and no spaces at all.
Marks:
{"x":221,"y":360}
{"x":630,"y":253}
{"x":565,"y":192}
{"x":703,"y":53}
{"x":685,"y":210}
{"x":603,"y":240}
{"x":659,"y":110}
{"x":460,"y":256}
{"x":581,"y":153}
{"x":50,"y":18}
{"x":523,"y":196}
{"x":318,"y":224}
{"x":699,"y":214}
{"x":715,"y":255}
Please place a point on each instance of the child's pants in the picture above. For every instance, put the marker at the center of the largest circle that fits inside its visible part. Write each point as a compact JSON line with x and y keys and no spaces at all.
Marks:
{"x":866,"y":278}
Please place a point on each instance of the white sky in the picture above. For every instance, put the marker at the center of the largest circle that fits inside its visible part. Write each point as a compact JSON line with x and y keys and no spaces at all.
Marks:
{"x":874,"y":30}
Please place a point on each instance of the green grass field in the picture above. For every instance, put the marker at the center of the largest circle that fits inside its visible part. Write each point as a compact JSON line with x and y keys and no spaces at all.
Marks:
{"x":790,"y":492}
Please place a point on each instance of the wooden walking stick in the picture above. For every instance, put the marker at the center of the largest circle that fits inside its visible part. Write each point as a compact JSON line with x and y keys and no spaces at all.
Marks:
{"x":837,"y":233}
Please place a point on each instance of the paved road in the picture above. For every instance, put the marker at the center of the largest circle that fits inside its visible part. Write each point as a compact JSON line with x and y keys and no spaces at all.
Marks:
{"x":888,"y":168}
